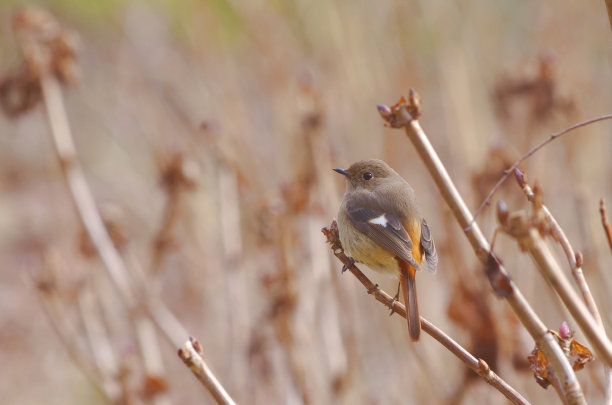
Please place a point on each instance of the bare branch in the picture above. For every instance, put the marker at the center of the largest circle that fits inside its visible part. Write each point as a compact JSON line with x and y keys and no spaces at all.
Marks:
{"x":97,"y":336}
{"x":399,"y":116}
{"x":90,"y":216}
{"x":530,"y":239}
{"x":605,"y":222}
{"x":50,"y":57}
{"x":75,"y":178}
{"x":531,"y":152}
{"x":193,"y":356}
{"x":67,"y":332}
{"x":574,"y":258}
{"x":80,"y":192}
{"x":575,"y":261}
{"x":479,"y":366}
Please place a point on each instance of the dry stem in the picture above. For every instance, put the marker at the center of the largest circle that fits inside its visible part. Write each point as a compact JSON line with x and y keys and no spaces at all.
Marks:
{"x":92,"y":220}
{"x":97,"y":335}
{"x":49,"y":57}
{"x":531,"y":152}
{"x":575,"y":262}
{"x":193,"y":357}
{"x":67,"y":336}
{"x":479,"y":366}
{"x":571,"y":255}
{"x":88,"y":212}
{"x":551,"y":270}
{"x":79,"y":190}
{"x":404,"y":115}
{"x":605,"y":222}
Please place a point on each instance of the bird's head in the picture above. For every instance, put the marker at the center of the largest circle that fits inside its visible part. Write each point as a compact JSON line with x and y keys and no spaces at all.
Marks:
{"x":367,"y":174}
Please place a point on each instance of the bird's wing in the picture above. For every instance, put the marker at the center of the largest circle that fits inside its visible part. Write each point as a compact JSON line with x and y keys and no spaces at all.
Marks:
{"x":429,"y":247}
{"x":382,"y":227}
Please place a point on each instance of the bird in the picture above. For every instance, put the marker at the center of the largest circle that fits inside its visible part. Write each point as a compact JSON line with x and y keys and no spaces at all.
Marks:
{"x":380,"y":225}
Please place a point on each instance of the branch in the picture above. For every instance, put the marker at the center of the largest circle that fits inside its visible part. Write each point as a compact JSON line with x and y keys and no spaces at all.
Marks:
{"x":73,"y":173}
{"x":532,"y":151}
{"x":404,"y":115}
{"x":605,"y":222}
{"x":46,"y":287}
{"x":529,"y":238}
{"x":574,"y":258}
{"x":97,"y":337}
{"x":92,"y":220}
{"x":192,"y":355}
{"x":50,"y":56}
{"x":575,"y":261}
{"x":479,"y":366}
{"x":67,"y":334}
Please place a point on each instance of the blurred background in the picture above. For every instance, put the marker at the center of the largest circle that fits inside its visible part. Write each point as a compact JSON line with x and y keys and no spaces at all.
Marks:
{"x":250,"y":104}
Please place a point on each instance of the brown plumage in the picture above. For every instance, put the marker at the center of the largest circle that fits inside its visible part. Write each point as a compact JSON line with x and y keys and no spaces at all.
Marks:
{"x":381,"y":226}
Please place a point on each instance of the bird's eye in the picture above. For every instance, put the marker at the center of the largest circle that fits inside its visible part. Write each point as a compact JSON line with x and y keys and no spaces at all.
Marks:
{"x":367,"y":176}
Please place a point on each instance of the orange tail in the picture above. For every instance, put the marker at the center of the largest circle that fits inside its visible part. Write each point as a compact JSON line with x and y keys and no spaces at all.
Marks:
{"x":407,"y":281}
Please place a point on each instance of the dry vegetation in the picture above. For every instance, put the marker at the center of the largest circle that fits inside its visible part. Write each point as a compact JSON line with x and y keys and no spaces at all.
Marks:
{"x":165,"y":171}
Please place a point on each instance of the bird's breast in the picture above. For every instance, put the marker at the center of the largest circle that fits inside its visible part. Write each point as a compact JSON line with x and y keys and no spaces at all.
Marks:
{"x":365,"y":250}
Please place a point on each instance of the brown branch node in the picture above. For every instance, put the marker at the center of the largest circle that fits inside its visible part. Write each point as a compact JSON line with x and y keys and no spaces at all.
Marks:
{"x":192,"y":355}
{"x":401,"y":113}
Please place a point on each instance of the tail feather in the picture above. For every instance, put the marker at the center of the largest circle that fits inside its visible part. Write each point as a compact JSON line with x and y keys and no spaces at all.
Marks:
{"x":408,"y":284}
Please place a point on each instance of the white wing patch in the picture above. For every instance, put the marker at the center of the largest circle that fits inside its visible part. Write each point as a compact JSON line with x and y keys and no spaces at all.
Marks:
{"x":381,"y":220}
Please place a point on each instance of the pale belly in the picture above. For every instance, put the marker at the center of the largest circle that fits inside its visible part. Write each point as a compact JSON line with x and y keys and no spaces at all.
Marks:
{"x":364,"y":250}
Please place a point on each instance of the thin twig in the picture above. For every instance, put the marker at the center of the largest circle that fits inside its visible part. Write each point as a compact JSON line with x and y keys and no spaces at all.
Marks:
{"x":108,"y":388}
{"x":68,"y":333}
{"x":605,"y":222}
{"x":575,"y":261}
{"x":193,"y":357}
{"x":236,"y":285}
{"x":404,"y":115}
{"x":479,"y":366}
{"x":92,"y":220}
{"x":97,"y":335}
{"x":526,"y":230}
{"x":171,"y":327}
{"x":508,"y":172}
{"x":79,"y":190}
{"x":50,"y":57}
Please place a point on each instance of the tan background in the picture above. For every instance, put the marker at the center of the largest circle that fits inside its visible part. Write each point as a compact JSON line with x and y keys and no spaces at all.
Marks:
{"x":287,"y":90}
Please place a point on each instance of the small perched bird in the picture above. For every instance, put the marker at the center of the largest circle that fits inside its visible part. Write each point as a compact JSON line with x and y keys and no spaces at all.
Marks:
{"x":381,"y":226}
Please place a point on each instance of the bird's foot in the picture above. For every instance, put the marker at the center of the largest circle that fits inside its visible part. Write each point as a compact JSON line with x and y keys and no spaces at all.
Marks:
{"x":395,"y":299}
{"x":346,"y":266}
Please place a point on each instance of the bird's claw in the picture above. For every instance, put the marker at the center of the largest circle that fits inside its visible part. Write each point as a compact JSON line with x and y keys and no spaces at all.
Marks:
{"x":392,"y":306}
{"x":395,"y":299}
{"x":346,"y":266}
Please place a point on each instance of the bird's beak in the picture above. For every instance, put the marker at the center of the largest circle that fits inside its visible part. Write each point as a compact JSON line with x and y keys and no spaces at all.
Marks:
{"x":342,"y":171}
